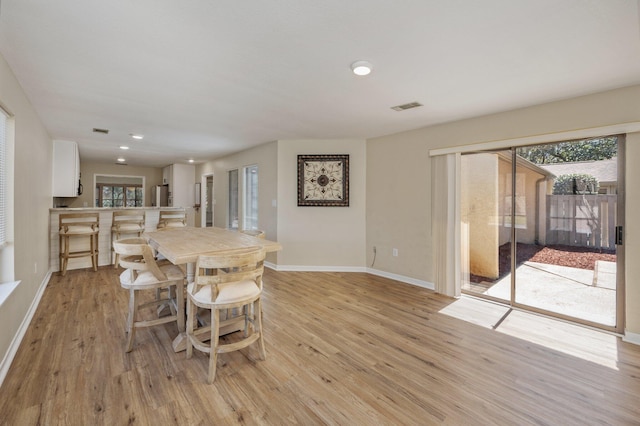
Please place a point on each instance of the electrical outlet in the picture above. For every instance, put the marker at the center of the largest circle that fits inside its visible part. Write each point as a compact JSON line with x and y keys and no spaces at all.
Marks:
{"x":395,"y":252}
{"x":35,"y":267}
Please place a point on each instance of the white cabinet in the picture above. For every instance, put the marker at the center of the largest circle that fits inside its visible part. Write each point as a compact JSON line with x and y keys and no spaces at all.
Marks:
{"x":181,"y":179}
{"x":66,"y":169}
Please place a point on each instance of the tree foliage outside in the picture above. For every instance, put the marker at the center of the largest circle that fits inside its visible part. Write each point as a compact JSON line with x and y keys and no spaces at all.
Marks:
{"x":572,"y":151}
{"x":575,"y":183}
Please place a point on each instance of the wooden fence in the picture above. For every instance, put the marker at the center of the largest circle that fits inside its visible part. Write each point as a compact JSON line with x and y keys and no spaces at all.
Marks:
{"x":581,"y":220}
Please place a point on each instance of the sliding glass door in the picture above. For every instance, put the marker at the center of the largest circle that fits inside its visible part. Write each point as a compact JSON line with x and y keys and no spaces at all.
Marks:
{"x":561,"y":205}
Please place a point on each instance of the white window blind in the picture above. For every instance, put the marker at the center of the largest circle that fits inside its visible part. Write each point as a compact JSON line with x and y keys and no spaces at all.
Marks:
{"x":3,"y":178}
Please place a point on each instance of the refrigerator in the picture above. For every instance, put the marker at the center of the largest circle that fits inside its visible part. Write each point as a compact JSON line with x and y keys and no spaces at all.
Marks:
{"x":160,"y":195}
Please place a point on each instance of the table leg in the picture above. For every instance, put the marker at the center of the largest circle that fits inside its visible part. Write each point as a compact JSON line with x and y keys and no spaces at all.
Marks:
{"x":180,"y":342}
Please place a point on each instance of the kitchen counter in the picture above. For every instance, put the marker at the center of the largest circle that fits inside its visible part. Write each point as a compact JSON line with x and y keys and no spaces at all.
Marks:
{"x":152,"y":215}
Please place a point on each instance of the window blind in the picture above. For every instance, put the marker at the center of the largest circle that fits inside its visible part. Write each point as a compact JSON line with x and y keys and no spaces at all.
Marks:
{"x":3,"y":178}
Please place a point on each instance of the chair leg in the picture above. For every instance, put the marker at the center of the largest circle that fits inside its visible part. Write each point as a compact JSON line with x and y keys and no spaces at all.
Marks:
{"x":94,"y":253}
{"x":65,"y":259}
{"x":191,"y":318}
{"x":131,"y":319}
{"x":215,"y":335}
{"x":60,"y":237}
{"x":257,"y":307}
{"x":180,"y":303}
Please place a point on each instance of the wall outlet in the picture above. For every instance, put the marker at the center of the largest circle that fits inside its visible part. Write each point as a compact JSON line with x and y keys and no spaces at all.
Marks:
{"x":395,"y":252}
{"x":35,"y":267}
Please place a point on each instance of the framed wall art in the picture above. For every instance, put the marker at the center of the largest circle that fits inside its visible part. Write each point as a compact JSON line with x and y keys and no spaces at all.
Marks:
{"x":323,"y":180}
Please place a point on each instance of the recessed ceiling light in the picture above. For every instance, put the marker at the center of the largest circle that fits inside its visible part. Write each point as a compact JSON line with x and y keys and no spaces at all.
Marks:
{"x":190,"y":160}
{"x":124,"y":147}
{"x":121,"y":160}
{"x":138,"y":137}
{"x":361,"y":68}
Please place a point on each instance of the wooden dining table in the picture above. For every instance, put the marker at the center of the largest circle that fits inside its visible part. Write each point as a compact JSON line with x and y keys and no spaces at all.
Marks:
{"x":182,"y":246}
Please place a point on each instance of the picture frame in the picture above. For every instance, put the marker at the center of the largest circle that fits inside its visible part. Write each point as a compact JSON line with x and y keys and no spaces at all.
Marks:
{"x":323,"y":180}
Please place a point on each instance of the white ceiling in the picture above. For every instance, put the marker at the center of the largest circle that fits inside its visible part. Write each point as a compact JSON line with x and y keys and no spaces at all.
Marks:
{"x":204,"y":78}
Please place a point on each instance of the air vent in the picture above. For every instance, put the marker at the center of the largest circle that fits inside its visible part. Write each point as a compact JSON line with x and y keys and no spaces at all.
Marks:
{"x":406,"y":106}
{"x":121,"y":164}
{"x":105,"y":131}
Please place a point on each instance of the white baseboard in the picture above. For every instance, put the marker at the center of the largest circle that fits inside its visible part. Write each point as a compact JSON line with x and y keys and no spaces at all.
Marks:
{"x":307,"y":268}
{"x":631,"y":337}
{"x":22,"y":330}
{"x":402,"y":278}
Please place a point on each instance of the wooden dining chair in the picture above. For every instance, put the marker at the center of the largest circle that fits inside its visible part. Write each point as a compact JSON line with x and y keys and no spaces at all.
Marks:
{"x":126,"y":223}
{"x":143,"y":273}
{"x":74,"y":226}
{"x":172,"y":219}
{"x":254,"y":233}
{"x":240,"y":288}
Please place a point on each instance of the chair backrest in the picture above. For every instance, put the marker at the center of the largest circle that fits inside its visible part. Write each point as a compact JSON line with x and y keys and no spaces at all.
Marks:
{"x":137,"y":256}
{"x":233,"y":265}
{"x":128,"y":217}
{"x":70,"y":220}
{"x":172,"y":219}
{"x":254,"y":233}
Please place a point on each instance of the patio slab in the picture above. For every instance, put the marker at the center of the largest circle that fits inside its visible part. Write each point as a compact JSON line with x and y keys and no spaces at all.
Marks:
{"x":565,"y":290}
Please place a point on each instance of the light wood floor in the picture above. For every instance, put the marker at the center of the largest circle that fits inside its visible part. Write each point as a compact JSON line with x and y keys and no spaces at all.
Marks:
{"x":347,"y":349}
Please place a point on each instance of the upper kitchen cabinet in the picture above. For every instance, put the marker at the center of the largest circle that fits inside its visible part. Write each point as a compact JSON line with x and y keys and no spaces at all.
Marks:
{"x":181,"y":179}
{"x":66,"y":169}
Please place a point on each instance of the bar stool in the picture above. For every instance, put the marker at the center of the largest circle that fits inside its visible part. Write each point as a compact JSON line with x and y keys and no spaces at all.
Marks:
{"x":126,"y":222}
{"x":172,"y":219}
{"x":77,"y":225}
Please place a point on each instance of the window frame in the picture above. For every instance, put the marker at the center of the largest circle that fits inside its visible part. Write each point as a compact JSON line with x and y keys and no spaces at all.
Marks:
{"x":138,"y":202}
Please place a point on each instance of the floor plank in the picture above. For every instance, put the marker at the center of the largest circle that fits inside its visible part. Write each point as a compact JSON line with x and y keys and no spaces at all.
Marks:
{"x":342,"y":348}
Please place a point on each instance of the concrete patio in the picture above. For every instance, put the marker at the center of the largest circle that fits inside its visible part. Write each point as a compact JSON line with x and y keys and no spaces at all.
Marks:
{"x":581,"y":293}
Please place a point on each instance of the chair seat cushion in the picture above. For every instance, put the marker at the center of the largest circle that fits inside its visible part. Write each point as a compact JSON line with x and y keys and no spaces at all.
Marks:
{"x":234,"y":292}
{"x":132,"y":227}
{"x":78,"y":230}
{"x":147,"y":279}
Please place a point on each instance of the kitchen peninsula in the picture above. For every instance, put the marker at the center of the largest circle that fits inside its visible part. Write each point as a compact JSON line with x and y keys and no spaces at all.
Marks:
{"x":104,"y":236}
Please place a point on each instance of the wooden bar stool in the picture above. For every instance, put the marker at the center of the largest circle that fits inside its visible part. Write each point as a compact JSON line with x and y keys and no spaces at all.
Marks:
{"x":77,"y":225}
{"x":238,"y":287}
{"x":172,"y":219}
{"x":126,"y":222}
{"x":143,"y":273}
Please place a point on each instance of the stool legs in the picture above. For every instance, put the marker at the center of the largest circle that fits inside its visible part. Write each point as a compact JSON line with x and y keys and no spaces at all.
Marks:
{"x":65,"y":253}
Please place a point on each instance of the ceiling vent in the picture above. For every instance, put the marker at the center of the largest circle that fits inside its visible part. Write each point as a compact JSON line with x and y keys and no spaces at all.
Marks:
{"x":105,"y":131}
{"x":121,"y":164}
{"x":406,"y":106}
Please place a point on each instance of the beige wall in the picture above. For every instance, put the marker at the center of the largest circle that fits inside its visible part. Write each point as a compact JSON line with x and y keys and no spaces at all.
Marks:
{"x":480,"y":202}
{"x":632,"y":231}
{"x":265,"y":157}
{"x":321,"y":237}
{"x":32,"y":171}
{"x":399,"y":173}
{"x":152,"y":175}
{"x":312,"y":237}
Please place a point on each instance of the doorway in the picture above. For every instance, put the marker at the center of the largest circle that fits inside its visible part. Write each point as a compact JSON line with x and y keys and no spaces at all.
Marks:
{"x":206,"y":218}
{"x":540,"y":228}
